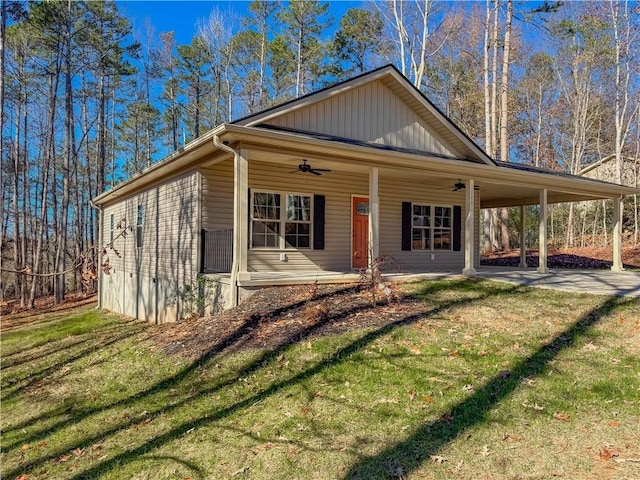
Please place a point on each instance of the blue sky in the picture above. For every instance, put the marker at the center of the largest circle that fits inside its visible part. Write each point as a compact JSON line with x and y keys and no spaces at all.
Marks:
{"x":181,"y":16}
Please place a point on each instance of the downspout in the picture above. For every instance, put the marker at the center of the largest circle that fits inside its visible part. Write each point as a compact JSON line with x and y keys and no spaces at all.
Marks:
{"x":99,"y":267}
{"x":235,"y":265}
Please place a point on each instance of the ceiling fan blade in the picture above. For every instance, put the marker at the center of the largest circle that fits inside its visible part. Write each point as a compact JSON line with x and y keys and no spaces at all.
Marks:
{"x":314,"y":171}
{"x":321,"y":169}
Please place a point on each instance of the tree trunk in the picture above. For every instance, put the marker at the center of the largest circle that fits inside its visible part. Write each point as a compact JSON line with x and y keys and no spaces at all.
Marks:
{"x":495,"y":219}
{"x":60,"y":264}
{"x":102,"y":154}
{"x":17,"y":260}
{"x":570,"y":237}
{"x":504,"y":119}
{"x":49,"y":157}
{"x":3,"y":25}
{"x":486,"y":213}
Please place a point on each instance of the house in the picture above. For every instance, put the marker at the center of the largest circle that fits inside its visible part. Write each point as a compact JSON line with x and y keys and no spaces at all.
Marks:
{"x":605,"y":169}
{"x":314,"y":189}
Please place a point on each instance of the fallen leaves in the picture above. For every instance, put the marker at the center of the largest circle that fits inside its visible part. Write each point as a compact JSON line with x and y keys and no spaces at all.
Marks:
{"x":438,"y":459}
{"x":607,"y":454}
{"x":561,"y":416}
{"x":447,"y":417}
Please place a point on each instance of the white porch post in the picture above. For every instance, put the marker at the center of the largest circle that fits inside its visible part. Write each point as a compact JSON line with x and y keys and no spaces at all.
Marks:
{"x":374,"y":216}
{"x":542,"y":256}
{"x":240,"y":222}
{"x":469,"y":229}
{"x":617,"y":235}
{"x":523,"y":239}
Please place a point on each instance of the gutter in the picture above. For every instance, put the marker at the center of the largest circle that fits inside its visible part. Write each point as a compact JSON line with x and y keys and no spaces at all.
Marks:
{"x":235,"y":265}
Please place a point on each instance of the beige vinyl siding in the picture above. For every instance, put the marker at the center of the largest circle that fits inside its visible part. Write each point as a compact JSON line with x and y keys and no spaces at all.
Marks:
{"x":146,"y":279}
{"x":392,"y":192}
{"x":476,"y":204}
{"x":118,"y":210}
{"x":371,"y":113}
{"x":337,"y":187}
{"x":217,"y":196}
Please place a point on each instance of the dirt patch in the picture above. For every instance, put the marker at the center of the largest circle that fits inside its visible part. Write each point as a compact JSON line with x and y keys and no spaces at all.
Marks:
{"x":278,"y":316}
{"x":595,"y":258}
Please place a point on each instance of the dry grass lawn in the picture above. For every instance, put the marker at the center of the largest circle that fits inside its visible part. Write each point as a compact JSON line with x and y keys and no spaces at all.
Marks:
{"x":458,"y":379}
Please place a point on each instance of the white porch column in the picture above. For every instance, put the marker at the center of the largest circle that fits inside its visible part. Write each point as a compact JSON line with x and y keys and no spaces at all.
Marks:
{"x":374,"y":216}
{"x":617,"y":235}
{"x":523,"y":239}
{"x":469,"y":229}
{"x":240,"y":222}
{"x":542,"y":256}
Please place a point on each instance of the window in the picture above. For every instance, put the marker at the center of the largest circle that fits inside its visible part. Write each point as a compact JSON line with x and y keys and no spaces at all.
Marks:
{"x":266,"y":220}
{"x":139,"y":228}
{"x":297,"y":228}
{"x":431,"y":228}
{"x":421,"y":233}
{"x":442,"y":228}
{"x":112,"y":225}
{"x":274,"y":221}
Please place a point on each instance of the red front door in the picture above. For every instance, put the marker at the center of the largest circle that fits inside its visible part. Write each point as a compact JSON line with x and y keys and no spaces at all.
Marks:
{"x":359,"y":232}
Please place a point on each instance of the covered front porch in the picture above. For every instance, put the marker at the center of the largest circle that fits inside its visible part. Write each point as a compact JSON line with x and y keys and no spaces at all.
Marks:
{"x":599,"y":282}
{"x":256,"y":159}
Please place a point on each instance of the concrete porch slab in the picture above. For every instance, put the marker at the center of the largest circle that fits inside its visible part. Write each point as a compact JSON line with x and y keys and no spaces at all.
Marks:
{"x":600,"y":282}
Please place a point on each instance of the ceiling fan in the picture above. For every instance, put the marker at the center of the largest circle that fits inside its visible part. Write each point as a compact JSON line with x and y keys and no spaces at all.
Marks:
{"x":304,"y":167}
{"x":459,"y":185}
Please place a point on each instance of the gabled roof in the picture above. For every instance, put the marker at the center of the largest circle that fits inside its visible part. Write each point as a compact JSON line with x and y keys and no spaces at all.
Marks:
{"x":603,"y":161}
{"x":398,"y":84}
{"x":502,"y":184}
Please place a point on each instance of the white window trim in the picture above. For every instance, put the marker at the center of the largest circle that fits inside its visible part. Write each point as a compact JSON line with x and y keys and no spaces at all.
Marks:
{"x":283,"y":221}
{"x":140,"y":226}
{"x":432,"y":227}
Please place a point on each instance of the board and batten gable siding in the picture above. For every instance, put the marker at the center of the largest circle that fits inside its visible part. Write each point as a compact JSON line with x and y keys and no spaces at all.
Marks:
{"x":370,"y":113}
{"x":144,"y":281}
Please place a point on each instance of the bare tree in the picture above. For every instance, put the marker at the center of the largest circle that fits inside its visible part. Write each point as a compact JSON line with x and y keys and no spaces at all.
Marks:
{"x":504,"y":118}
{"x":625,"y":38}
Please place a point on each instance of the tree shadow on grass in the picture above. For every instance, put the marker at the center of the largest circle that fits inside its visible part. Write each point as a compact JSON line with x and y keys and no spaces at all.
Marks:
{"x":407,"y":455}
{"x":16,"y":385}
{"x":234,"y":337}
{"x":477,"y":289}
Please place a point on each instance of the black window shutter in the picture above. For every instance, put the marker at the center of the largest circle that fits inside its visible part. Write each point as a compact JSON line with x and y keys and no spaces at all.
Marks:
{"x":249,"y":243}
{"x":318,"y":222}
{"x":457,"y":228}
{"x":406,"y":225}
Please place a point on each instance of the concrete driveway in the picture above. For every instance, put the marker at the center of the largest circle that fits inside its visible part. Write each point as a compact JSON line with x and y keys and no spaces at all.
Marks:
{"x":601,"y":282}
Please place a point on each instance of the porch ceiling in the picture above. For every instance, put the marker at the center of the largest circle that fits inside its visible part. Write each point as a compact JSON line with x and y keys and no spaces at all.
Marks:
{"x":493,"y":192}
